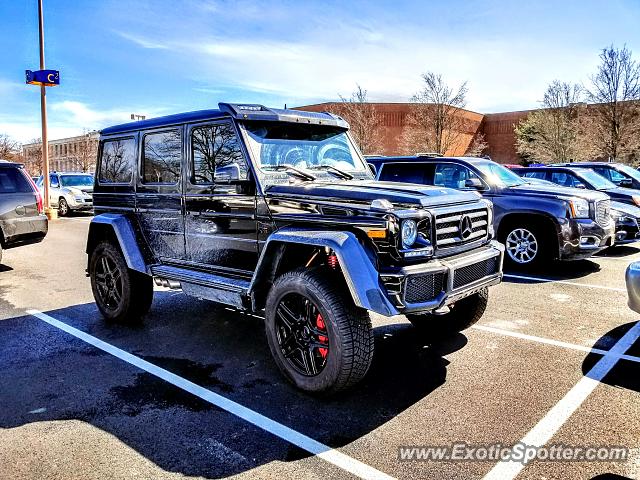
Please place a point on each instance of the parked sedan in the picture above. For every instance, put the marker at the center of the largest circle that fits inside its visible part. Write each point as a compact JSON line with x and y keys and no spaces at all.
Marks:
{"x":618,"y":173}
{"x":69,"y":192}
{"x":577,"y":177}
{"x":22,"y":220}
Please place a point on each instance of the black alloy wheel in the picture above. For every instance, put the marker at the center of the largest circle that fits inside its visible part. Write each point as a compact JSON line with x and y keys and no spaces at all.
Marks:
{"x":302,"y":334}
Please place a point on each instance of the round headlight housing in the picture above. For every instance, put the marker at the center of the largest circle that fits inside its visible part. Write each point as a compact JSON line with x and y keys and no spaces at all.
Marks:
{"x":409,"y":233}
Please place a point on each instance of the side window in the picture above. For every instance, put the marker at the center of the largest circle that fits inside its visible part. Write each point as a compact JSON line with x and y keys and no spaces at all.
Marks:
{"x":451,"y":175}
{"x":161,"y":157}
{"x":216,"y":153}
{"x":402,"y":172}
{"x":118,"y":160}
{"x":538,"y":175}
{"x":616,"y":176}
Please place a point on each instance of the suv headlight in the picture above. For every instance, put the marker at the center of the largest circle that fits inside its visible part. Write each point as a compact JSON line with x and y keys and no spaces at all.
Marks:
{"x":579,"y":208}
{"x":409,"y":233}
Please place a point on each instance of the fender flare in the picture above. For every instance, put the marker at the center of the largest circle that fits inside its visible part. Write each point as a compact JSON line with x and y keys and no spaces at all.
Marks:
{"x":124,"y":233}
{"x":361,"y":276}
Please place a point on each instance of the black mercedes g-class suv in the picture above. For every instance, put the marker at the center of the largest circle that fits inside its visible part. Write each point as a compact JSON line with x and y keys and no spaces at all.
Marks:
{"x":537,"y":223}
{"x":276,"y":211}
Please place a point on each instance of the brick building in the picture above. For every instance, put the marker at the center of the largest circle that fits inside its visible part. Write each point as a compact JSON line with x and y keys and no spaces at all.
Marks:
{"x":65,"y":154}
{"x":497,"y":128}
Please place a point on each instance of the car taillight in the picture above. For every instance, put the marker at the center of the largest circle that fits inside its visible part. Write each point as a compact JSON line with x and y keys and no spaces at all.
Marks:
{"x":39,"y":199}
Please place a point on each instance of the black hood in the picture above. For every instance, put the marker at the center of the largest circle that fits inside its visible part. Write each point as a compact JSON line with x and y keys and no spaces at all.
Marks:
{"x":555,"y":191}
{"x":367,"y":191}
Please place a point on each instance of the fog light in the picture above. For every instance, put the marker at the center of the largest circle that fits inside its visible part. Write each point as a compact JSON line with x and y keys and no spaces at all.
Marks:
{"x":420,"y":252}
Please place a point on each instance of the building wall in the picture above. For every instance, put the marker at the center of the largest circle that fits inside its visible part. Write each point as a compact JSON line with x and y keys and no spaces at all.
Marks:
{"x":497,"y":128}
{"x":63,"y":153}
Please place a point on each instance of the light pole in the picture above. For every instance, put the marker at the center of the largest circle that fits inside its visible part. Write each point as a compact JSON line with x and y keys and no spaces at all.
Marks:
{"x":43,"y":114}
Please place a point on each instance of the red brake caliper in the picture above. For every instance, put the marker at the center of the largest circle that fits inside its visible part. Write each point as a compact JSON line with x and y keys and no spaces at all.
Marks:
{"x":321,"y":338}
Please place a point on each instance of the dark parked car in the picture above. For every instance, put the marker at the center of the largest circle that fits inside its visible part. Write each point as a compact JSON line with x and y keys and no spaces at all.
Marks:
{"x":627,"y":218}
{"x":618,"y":173}
{"x":581,"y":178}
{"x":22,"y":220}
{"x":277,"y":211}
{"x":536,"y":223}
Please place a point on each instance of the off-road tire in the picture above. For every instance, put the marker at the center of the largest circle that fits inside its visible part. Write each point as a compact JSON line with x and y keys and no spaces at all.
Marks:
{"x":137,"y":288}
{"x":63,"y":207}
{"x":464,"y":313}
{"x":348,"y":327}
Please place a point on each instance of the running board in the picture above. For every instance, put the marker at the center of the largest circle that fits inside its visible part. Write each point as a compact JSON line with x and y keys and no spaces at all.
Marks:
{"x":206,"y":286}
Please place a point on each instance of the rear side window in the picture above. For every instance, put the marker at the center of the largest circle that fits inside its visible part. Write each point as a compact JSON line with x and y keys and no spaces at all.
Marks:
{"x":403,"y":172}
{"x":162,"y":156}
{"x":13,"y":181}
{"x":118,"y":160}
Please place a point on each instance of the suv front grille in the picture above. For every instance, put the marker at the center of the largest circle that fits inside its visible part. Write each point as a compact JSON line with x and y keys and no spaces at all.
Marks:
{"x":603,"y":212}
{"x":424,"y":287}
{"x":449,"y":223}
{"x":470,"y":273}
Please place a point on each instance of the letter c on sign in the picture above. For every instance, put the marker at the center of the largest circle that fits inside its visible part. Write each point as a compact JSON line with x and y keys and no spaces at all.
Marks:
{"x":51,"y":77}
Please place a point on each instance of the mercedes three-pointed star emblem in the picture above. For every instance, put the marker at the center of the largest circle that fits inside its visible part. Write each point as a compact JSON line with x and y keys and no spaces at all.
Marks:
{"x":466,"y":227}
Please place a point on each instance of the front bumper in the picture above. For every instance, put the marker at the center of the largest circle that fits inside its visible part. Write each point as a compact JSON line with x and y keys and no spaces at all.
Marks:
{"x":632,"y":277}
{"x":627,"y":231}
{"x":75,"y":204}
{"x":443,"y":281}
{"x":582,"y":238}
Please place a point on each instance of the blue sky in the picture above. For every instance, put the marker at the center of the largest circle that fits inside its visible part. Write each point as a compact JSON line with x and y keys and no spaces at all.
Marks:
{"x":157,"y":57}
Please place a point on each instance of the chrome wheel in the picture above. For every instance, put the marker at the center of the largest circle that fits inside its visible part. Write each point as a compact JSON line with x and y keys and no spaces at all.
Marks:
{"x":302,"y":334}
{"x":522,"y":246}
{"x":63,"y":207}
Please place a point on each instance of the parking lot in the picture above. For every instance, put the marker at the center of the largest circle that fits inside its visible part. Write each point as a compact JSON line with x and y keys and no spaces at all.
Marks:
{"x":194,"y":393}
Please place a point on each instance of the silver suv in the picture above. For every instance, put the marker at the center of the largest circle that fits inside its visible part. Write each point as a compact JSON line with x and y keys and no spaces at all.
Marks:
{"x":69,"y":192}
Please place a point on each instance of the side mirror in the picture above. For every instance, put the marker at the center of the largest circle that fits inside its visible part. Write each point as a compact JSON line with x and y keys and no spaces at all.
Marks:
{"x":227,"y":174}
{"x":626,"y":183}
{"x":580,"y":185}
{"x":373,"y":169}
{"x":474,"y":183}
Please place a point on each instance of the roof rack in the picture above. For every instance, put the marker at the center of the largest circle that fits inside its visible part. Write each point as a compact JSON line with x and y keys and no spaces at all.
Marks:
{"x":428,"y":154}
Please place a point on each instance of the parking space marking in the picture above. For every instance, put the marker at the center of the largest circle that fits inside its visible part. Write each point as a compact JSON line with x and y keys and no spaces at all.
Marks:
{"x":294,"y":437}
{"x":564,"y":282}
{"x":557,"y":343}
{"x":561,"y":411}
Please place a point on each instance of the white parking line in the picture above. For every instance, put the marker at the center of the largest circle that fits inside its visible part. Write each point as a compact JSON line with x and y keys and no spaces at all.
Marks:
{"x":560,"y":413}
{"x":556,"y":343}
{"x":298,"y":439}
{"x":564,"y":282}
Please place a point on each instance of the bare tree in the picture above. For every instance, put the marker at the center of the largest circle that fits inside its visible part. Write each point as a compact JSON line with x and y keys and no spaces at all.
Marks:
{"x":9,"y":148}
{"x":437,"y":124}
{"x":615,"y":90}
{"x":559,"y":131}
{"x":86,"y":151}
{"x":477,"y":146}
{"x":364,"y":120}
{"x":33,"y":157}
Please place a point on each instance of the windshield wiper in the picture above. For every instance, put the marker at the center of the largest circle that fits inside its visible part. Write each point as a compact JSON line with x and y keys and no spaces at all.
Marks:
{"x":289,"y":169}
{"x":334,"y":170}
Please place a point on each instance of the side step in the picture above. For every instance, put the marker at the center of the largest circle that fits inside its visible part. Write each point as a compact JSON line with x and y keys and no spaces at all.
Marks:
{"x":207,"y":286}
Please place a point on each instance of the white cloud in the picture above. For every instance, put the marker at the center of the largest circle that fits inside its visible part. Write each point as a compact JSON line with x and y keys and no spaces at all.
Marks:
{"x":143,"y":42}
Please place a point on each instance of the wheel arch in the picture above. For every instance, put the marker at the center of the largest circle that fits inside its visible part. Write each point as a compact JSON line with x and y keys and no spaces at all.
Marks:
{"x":117,"y":228}
{"x":550,"y":225}
{"x":292,"y":247}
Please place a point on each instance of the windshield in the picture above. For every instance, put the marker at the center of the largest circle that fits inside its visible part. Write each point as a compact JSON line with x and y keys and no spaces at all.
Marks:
{"x":632,"y":172}
{"x":317,"y":149}
{"x":76,"y":180}
{"x":597,"y":181}
{"x":496,"y":174}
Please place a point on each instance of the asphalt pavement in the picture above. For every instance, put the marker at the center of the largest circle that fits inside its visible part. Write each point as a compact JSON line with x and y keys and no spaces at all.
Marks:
{"x":193,"y":391}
